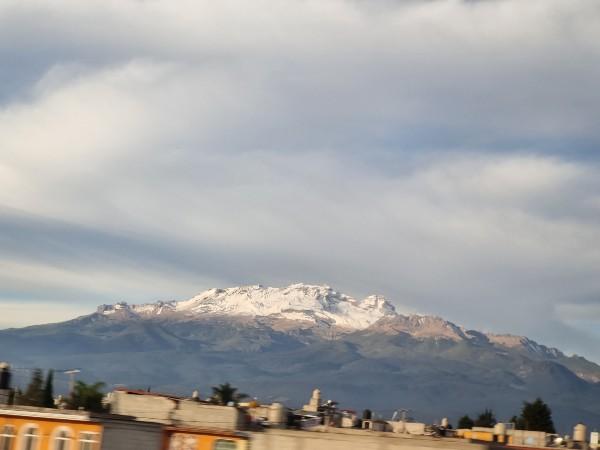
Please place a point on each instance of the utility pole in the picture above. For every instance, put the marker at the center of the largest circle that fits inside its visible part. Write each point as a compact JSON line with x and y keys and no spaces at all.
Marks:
{"x":71,"y":373}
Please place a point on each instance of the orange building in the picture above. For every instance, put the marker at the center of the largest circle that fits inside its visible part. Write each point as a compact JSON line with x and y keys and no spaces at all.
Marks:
{"x":177,"y":438}
{"x":46,"y":429}
{"x":28,"y":428}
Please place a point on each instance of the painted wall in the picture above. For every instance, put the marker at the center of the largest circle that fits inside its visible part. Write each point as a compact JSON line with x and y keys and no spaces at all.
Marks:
{"x":201,"y":441}
{"x":342,"y":439}
{"x":47,"y":430}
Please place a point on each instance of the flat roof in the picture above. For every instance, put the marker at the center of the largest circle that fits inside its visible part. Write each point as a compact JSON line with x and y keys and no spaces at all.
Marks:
{"x":210,"y":431}
{"x":46,"y":413}
{"x":162,"y":395}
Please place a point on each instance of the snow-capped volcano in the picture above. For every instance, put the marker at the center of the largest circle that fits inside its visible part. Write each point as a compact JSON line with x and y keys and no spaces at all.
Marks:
{"x":277,"y":342}
{"x":317,"y":304}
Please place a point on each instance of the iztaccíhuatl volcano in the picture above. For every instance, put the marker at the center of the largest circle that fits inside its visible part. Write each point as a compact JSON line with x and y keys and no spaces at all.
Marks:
{"x":280,"y":343}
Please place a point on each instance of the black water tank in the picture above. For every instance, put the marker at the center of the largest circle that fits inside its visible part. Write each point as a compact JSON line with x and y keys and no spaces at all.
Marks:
{"x":4,"y":376}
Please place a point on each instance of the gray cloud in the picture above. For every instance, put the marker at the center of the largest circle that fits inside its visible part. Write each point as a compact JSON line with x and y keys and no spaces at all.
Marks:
{"x":441,"y":153}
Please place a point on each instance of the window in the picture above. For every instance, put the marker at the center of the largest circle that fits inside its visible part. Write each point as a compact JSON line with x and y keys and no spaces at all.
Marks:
{"x":7,"y":437}
{"x":29,"y":438}
{"x":62,"y":439}
{"x":88,"y":441}
{"x":223,"y":444}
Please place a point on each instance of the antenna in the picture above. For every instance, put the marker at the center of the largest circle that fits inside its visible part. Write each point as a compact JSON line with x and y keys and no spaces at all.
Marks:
{"x":402,"y":414}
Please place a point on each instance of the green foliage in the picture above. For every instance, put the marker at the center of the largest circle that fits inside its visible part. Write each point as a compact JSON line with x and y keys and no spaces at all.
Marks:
{"x":87,"y":396}
{"x":517,"y":421}
{"x":536,"y":416}
{"x":225,"y":393}
{"x":39,"y":392}
{"x":17,"y":398}
{"x":34,"y":394}
{"x":486,"y":419}
{"x":367,"y":414}
{"x":48,"y":393}
{"x":465,"y":422}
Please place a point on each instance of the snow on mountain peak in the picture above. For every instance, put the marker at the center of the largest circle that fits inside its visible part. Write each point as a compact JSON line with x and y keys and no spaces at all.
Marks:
{"x":317,"y":304}
{"x":321,"y":305}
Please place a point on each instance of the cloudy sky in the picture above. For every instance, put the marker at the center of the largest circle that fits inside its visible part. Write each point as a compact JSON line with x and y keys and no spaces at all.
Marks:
{"x":445,"y":154}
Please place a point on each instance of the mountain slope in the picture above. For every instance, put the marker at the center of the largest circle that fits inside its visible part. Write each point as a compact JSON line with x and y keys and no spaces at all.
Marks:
{"x":281,"y":343}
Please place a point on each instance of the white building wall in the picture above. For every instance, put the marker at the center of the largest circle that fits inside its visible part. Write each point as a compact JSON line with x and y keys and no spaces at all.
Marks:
{"x":143,"y":407}
{"x":339,"y":439}
{"x":194,"y":414}
{"x":176,"y":412}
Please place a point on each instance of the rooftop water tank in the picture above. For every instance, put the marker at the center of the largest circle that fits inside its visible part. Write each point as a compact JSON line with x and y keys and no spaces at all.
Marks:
{"x":500,"y":429}
{"x":579,"y":432}
{"x":276,"y":414}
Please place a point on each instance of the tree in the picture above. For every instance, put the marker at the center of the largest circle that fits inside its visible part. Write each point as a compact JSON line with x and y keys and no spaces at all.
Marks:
{"x":87,"y":396}
{"x":517,"y":421}
{"x":536,"y":416}
{"x":34,"y":394}
{"x":11,"y":397}
{"x":486,"y":419}
{"x":17,"y":397}
{"x":367,"y":414}
{"x":223,"y":394}
{"x":48,"y":393}
{"x":465,"y":422}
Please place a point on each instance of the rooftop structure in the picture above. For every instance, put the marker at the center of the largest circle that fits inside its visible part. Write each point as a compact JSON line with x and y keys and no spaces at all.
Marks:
{"x":176,"y":411}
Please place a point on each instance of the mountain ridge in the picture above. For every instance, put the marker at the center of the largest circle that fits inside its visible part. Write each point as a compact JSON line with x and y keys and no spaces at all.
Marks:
{"x":320,"y":305}
{"x":384,"y":359}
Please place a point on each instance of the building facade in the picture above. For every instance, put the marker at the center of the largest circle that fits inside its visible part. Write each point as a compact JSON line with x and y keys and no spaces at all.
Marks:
{"x":40,"y":429}
{"x":28,"y":428}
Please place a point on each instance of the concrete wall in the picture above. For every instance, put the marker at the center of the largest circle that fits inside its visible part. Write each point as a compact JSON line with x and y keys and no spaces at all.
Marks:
{"x":345,"y":439}
{"x":143,"y":407}
{"x":406,"y":427}
{"x":190,"y":413}
{"x":349,"y":421}
{"x":528,"y":438}
{"x":194,"y":414}
{"x":594,"y":439}
{"x":130,"y":435}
